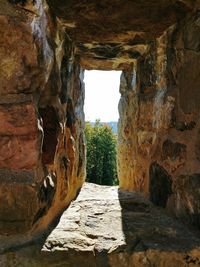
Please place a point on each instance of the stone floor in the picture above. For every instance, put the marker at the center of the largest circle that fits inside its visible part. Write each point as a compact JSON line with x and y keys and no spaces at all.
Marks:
{"x":105,"y":227}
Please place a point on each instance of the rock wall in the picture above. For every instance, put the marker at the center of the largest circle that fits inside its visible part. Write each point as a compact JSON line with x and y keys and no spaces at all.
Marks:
{"x":42,"y":153}
{"x":184,"y":84}
{"x":159,"y":122}
{"x":142,"y":116}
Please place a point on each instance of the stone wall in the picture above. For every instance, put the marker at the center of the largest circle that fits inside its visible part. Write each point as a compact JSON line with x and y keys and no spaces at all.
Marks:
{"x":183,"y":139}
{"x":42,"y":153}
{"x":159,"y":122}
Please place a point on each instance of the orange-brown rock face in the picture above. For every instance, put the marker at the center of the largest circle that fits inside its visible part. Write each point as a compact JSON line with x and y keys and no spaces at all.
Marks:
{"x":20,"y":134}
{"x":43,"y":50}
{"x":106,"y":226}
{"x":119,"y":20}
{"x":41,"y":122}
{"x":159,"y":123}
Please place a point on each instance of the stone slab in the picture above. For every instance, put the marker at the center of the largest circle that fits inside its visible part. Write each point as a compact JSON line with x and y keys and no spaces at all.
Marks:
{"x":106,"y":227}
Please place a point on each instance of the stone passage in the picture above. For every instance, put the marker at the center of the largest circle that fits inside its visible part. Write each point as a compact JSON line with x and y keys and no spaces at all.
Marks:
{"x":108,"y":227}
{"x":45,"y":46}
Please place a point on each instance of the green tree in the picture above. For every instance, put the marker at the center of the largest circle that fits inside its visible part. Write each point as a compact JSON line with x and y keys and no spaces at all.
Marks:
{"x":101,"y":154}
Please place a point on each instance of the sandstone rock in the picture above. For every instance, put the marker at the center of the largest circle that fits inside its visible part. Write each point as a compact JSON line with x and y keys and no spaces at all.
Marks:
{"x":106,"y":226}
{"x":187,"y":198}
{"x":44,"y":49}
{"x":41,"y":152}
{"x":158,"y":122}
{"x":17,"y":212}
{"x":136,"y":22}
{"x":20,"y":133}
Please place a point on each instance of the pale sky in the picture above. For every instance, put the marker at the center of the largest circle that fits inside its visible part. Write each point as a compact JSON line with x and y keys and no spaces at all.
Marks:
{"x":102,"y":95}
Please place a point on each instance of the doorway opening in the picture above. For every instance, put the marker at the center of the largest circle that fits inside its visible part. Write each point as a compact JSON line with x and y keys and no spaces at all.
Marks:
{"x":101,"y":116}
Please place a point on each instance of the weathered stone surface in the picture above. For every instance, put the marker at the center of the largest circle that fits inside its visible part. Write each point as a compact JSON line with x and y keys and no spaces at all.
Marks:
{"x":25,"y":32}
{"x":42,"y":152}
{"x":17,"y":213}
{"x":160,"y":185}
{"x":106,"y":226}
{"x":187,"y":198}
{"x":110,"y":35}
{"x":41,"y":145}
{"x":20,"y":133}
{"x":123,"y":20}
{"x":159,"y":120}
{"x":109,"y":56}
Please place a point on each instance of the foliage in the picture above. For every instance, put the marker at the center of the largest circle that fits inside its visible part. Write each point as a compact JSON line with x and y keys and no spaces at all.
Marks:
{"x":101,"y":154}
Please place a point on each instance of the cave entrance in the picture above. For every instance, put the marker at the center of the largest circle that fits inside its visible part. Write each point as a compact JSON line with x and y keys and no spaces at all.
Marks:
{"x":101,"y":116}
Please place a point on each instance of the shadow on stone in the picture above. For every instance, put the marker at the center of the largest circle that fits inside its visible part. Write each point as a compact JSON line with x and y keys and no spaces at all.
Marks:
{"x":148,"y":229}
{"x":107,"y":227}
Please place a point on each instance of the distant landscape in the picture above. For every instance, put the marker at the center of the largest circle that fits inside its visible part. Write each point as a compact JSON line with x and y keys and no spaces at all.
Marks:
{"x":112,"y":124}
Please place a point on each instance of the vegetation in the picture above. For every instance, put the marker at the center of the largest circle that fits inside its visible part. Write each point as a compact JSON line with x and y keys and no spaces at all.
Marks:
{"x":101,"y":154}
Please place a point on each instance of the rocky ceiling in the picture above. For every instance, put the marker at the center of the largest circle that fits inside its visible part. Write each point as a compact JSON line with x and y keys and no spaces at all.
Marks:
{"x":106,"y":30}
